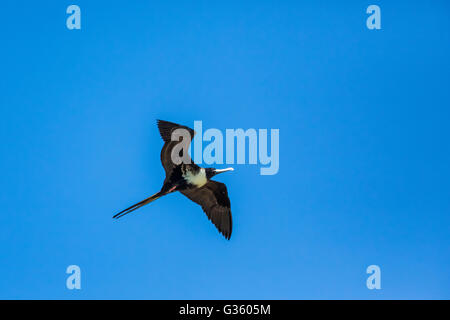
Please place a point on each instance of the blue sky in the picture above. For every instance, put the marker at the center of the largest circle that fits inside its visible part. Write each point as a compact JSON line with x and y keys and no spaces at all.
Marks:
{"x":364,"y":153}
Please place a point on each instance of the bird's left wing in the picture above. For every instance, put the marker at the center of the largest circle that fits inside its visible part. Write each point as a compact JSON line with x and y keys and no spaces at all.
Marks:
{"x":213,"y":197}
{"x":166,"y":129}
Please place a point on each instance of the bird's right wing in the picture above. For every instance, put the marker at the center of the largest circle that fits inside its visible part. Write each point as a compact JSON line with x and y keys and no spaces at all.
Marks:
{"x":166,"y":129}
{"x":213,"y":197}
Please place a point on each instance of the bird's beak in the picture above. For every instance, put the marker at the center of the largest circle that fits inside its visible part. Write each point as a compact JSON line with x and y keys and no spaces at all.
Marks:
{"x":217,"y":171}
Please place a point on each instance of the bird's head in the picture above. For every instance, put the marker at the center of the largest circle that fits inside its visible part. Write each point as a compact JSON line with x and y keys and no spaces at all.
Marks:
{"x":211,"y":172}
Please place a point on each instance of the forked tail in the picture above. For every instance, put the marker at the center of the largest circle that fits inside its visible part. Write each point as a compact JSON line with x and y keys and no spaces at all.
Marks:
{"x":139,"y":204}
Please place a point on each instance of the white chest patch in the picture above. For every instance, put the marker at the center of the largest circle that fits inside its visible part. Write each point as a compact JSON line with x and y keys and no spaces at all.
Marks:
{"x":198,"y":179}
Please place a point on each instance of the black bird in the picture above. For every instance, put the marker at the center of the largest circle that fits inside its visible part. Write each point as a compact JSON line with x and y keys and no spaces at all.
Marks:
{"x":192,"y":181}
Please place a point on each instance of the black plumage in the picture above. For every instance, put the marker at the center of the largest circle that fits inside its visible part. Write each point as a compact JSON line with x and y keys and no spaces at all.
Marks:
{"x":192,"y":181}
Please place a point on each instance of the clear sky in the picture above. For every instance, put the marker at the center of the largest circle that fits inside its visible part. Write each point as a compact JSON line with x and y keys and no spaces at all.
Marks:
{"x":364,"y":148}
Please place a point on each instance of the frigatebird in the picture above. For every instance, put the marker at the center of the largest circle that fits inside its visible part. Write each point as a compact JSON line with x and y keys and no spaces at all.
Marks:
{"x":191,"y":180}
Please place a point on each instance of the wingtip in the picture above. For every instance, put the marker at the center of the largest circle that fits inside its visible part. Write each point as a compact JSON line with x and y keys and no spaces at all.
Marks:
{"x":227,"y":236}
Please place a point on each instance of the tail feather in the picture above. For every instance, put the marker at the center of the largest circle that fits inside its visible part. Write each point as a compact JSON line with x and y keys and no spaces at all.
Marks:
{"x":138,"y":205}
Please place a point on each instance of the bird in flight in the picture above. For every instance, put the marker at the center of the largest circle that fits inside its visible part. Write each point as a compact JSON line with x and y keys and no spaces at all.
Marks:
{"x":191,"y":180}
